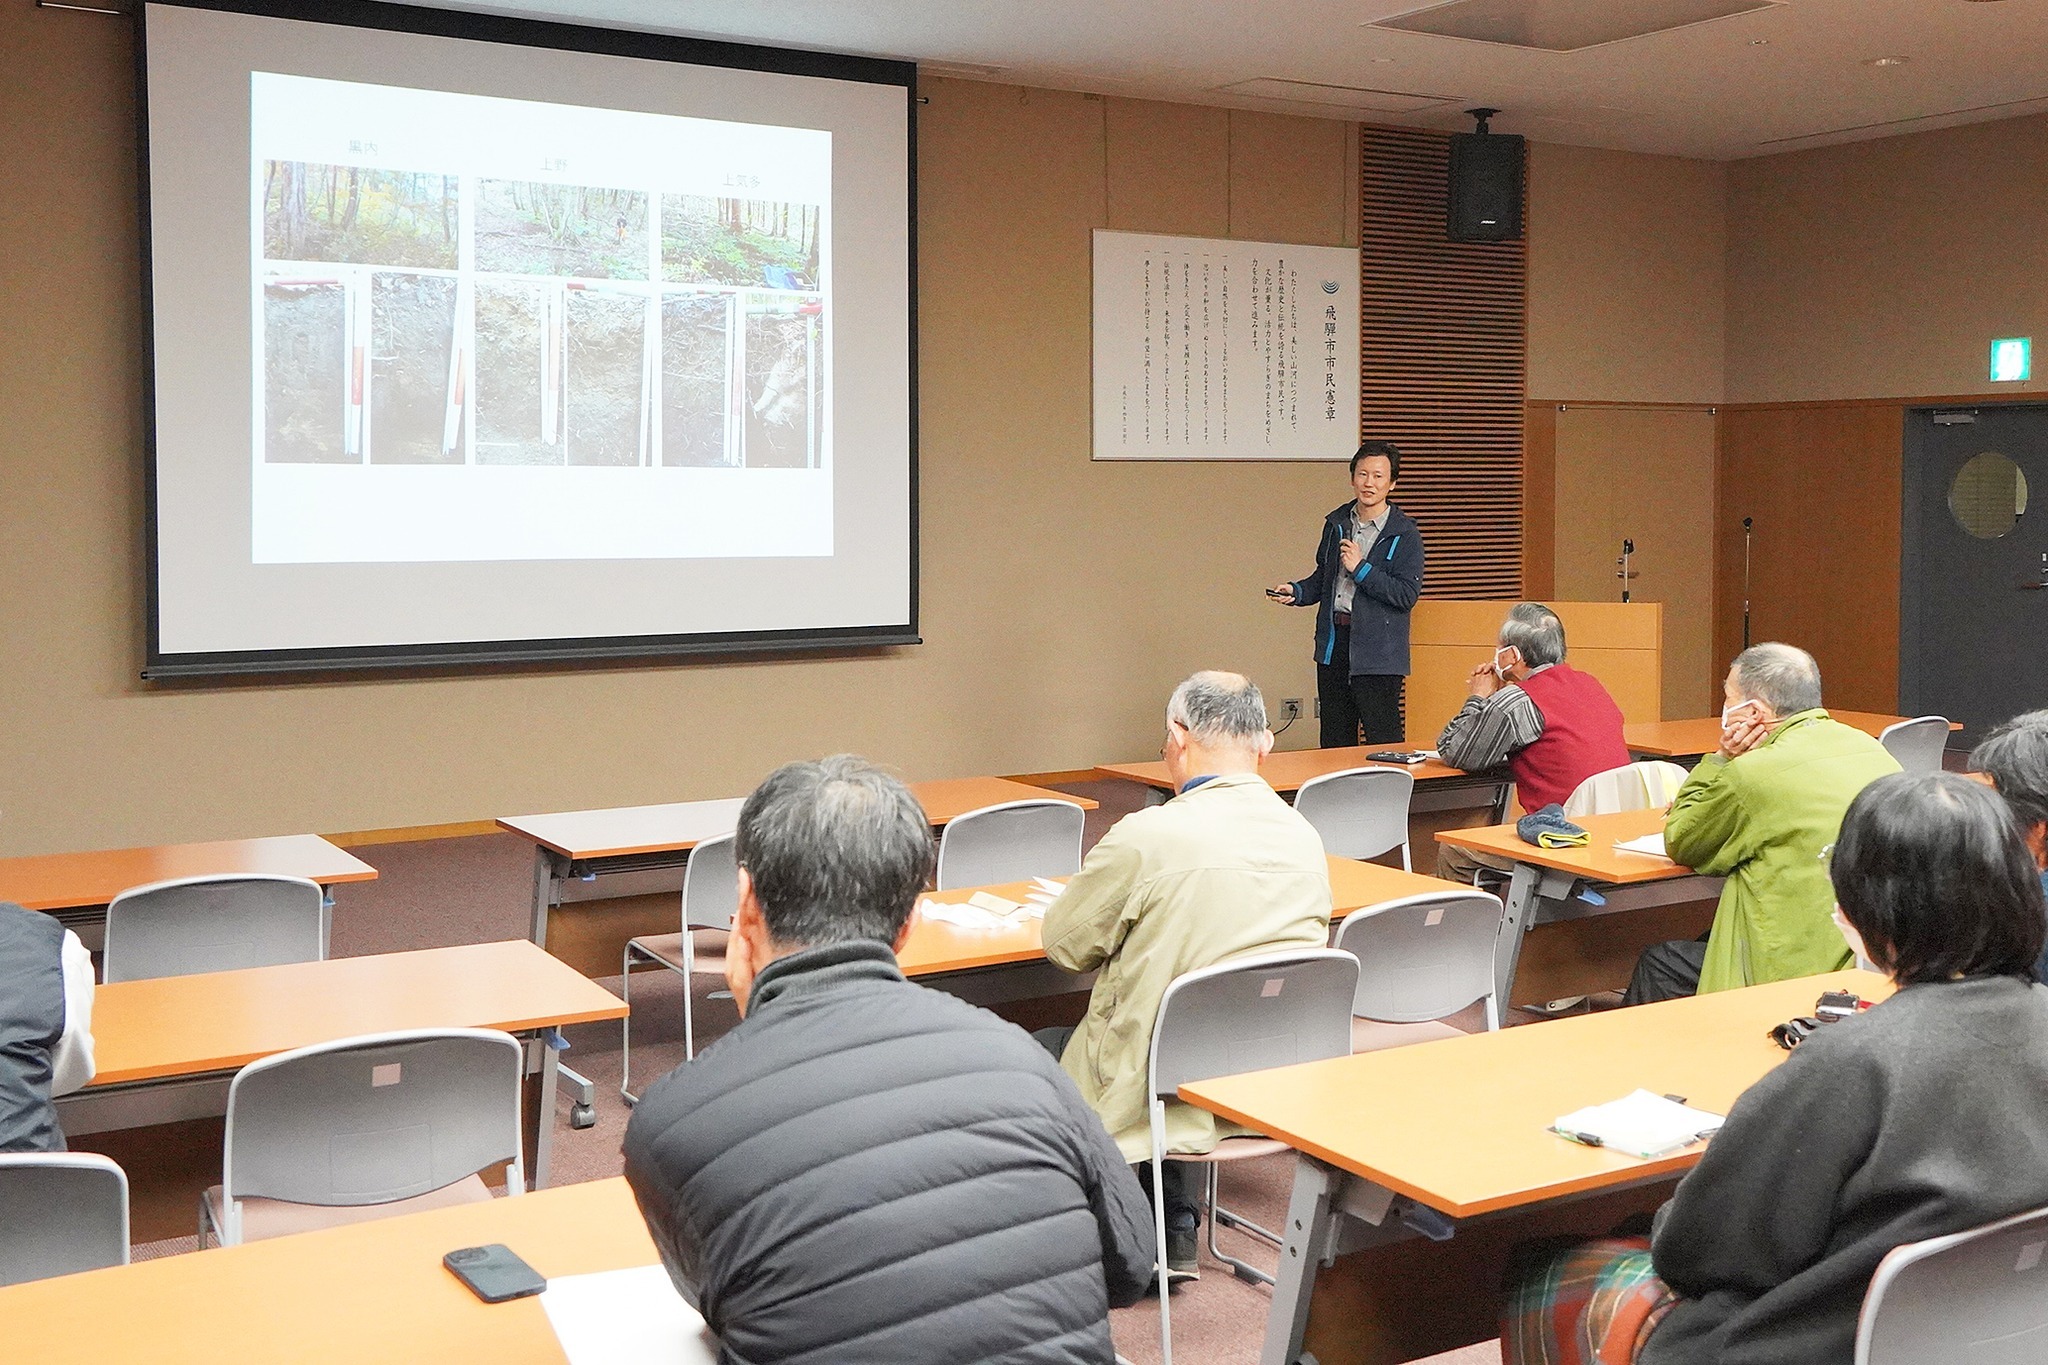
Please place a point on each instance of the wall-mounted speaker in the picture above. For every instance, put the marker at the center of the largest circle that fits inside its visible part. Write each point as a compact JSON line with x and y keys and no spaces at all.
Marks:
{"x":1485,"y":199}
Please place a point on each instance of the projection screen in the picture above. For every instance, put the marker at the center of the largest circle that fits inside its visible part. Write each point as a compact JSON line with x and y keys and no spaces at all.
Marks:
{"x":478,"y":339}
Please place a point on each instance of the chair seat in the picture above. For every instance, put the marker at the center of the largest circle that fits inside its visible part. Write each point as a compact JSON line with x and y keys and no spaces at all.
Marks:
{"x":1232,"y":1149}
{"x":263,"y":1218}
{"x":667,"y":949}
{"x":1371,"y":1035}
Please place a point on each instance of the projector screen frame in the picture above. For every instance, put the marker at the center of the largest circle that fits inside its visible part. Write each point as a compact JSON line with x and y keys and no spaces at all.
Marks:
{"x":567,"y":651}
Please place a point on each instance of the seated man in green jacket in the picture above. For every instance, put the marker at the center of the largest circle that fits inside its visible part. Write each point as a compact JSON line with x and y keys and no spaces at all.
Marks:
{"x":1760,"y":812}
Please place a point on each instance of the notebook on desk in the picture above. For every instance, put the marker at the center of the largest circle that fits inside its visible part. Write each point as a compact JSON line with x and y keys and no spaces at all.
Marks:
{"x":626,"y":1317}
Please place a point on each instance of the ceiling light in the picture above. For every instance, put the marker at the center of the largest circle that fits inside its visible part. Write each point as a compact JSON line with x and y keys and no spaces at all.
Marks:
{"x":1759,"y":42}
{"x":1886,"y":61}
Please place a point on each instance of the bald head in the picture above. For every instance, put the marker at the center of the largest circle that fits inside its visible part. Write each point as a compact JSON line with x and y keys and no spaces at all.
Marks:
{"x":1782,"y":677}
{"x":1220,"y":711}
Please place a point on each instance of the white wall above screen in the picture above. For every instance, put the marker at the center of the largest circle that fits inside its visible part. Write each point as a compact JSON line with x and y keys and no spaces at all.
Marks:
{"x":478,"y":339}
{"x":1210,"y":349}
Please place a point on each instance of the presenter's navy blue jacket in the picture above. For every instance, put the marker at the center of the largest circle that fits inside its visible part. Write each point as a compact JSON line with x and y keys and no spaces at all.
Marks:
{"x":1388,"y":582}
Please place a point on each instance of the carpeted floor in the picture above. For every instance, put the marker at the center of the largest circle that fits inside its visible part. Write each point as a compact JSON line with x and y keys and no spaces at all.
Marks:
{"x":478,"y":890}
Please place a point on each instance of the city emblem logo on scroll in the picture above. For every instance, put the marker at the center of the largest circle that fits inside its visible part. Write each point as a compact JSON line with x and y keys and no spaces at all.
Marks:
{"x":1329,"y":286}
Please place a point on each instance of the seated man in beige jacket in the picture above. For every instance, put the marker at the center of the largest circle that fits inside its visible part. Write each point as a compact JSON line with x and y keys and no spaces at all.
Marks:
{"x":1224,"y":869}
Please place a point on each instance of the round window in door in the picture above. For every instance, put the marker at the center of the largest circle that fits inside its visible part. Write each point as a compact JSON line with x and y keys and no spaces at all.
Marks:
{"x":1988,"y":495}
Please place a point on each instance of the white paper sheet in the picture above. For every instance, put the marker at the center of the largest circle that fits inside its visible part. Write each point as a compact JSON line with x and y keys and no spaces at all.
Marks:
{"x":626,"y":1317}
{"x":1652,"y":844}
{"x":1642,"y":1124}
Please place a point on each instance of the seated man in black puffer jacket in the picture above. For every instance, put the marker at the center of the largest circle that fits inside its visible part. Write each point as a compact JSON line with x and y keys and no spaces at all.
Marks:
{"x":865,"y":1170}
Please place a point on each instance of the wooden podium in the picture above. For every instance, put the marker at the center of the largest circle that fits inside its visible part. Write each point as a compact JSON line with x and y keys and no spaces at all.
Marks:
{"x":1620,"y":643}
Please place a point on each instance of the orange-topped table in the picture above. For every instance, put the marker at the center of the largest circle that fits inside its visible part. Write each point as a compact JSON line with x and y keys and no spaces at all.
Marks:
{"x":1461,"y":1128}
{"x":596,"y":843}
{"x":1555,"y":885}
{"x":371,"y":1292}
{"x":936,"y":948}
{"x":182,"y":1029}
{"x":1438,"y":785}
{"x":1702,"y":735}
{"x":75,"y":887}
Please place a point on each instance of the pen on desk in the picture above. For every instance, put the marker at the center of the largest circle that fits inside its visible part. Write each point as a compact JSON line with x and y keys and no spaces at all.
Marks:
{"x":1583,"y":1139}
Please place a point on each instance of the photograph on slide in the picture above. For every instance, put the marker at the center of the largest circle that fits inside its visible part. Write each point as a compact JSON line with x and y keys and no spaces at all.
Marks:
{"x":437,"y":284}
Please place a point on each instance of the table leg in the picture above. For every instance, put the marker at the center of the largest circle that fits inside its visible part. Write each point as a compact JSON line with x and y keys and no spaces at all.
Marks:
{"x":546,"y":884}
{"x":1301,"y":1252}
{"x":1507,"y":949}
{"x":538,"y":1141}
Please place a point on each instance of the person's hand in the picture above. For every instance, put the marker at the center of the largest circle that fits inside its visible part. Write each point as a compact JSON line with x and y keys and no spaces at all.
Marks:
{"x":1348,"y":551}
{"x":1743,"y":733}
{"x":1483,"y":682}
{"x":1283,"y":593}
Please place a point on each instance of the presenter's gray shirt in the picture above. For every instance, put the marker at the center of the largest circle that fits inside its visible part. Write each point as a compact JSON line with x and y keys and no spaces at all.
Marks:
{"x":1366,"y":534}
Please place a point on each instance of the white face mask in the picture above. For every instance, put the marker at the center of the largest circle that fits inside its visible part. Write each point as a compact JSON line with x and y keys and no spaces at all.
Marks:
{"x":1852,"y":938}
{"x":1729,"y":713}
{"x":1502,"y":665}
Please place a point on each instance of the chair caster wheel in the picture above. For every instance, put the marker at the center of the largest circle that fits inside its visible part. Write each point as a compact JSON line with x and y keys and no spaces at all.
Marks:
{"x":582,"y":1116}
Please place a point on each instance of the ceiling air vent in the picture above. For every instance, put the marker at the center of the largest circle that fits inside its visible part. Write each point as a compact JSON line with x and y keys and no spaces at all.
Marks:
{"x":1563,"y":25}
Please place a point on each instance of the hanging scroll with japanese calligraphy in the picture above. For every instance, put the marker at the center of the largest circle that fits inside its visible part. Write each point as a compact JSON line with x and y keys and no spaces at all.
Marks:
{"x":1207,"y":349}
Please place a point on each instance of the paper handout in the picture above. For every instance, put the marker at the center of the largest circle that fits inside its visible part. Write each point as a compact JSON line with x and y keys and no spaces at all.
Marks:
{"x":1639,"y":1124}
{"x":1652,"y":844}
{"x":626,"y":1317}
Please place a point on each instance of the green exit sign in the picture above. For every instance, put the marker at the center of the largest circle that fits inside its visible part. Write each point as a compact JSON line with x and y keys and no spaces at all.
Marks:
{"x":2012,"y":359}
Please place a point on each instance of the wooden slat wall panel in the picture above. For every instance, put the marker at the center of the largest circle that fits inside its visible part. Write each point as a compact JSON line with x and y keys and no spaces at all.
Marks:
{"x":1443,"y":361}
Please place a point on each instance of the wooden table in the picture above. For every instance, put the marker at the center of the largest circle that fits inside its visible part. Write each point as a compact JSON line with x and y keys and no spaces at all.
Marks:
{"x":75,"y":887}
{"x":939,"y":950}
{"x":1701,"y":736}
{"x":366,"y":1294}
{"x":1558,"y":885}
{"x":1438,"y":786}
{"x":184,"y":1037}
{"x":1451,"y":1137}
{"x":589,"y":844}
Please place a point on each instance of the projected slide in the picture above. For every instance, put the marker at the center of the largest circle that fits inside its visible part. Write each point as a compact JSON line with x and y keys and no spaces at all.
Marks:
{"x":493,"y":328}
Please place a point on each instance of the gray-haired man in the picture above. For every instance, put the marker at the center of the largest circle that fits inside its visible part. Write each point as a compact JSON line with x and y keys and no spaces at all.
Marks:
{"x":1552,"y":725}
{"x":865,"y":1170}
{"x":1224,"y":869}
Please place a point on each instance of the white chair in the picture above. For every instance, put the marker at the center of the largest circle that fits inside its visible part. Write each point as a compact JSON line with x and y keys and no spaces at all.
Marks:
{"x":1633,"y":786}
{"x":365,"y":1127}
{"x":711,"y":897}
{"x":1421,"y":959}
{"x":1275,"y":1009}
{"x":1011,"y":842}
{"x":1360,"y":812}
{"x":1919,"y":744}
{"x":1980,"y":1296}
{"x":213,"y":924}
{"x":60,"y":1213}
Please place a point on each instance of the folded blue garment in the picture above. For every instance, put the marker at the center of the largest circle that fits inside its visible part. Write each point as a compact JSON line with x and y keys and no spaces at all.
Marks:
{"x":1547,"y":828}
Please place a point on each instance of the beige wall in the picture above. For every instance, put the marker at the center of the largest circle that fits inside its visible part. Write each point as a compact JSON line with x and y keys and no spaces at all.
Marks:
{"x":1626,"y":276}
{"x":1061,"y":599}
{"x":1884,"y":269}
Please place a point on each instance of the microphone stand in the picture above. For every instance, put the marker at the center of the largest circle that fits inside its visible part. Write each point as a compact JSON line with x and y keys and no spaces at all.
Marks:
{"x":1628,"y":547}
{"x":1746,"y":524}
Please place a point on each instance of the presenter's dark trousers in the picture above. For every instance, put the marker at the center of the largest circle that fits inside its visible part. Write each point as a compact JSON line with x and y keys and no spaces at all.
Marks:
{"x":1348,"y":702}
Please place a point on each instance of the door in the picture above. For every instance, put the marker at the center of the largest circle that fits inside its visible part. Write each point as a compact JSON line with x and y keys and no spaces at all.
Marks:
{"x":1973,"y":571}
{"x":1645,"y":475}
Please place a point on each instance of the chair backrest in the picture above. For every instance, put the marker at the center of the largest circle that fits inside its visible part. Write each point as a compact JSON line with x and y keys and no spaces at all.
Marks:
{"x":1360,"y":812}
{"x":1632,"y":786}
{"x":60,"y":1212}
{"x":1424,"y":957}
{"x":1918,"y":744}
{"x":1979,"y":1296}
{"x":1252,"y":1013}
{"x":373,"y":1119}
{"x":212,"y":924}
{"x":711,"y":885}
{"x":1011,"y":842}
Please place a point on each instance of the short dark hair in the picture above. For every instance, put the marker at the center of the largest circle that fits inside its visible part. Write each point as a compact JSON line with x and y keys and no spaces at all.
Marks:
{"x":1932,"y":872}
{"x":2015,"y":758}
{"x":838,"y":851}
{"x":1388,"y":449}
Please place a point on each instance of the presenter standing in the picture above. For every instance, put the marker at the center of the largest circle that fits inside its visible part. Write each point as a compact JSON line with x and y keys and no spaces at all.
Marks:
{"x":1368,"y":574}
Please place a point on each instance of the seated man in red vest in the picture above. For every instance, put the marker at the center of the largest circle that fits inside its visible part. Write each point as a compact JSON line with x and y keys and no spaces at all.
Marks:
{"x":1552,"y":725}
